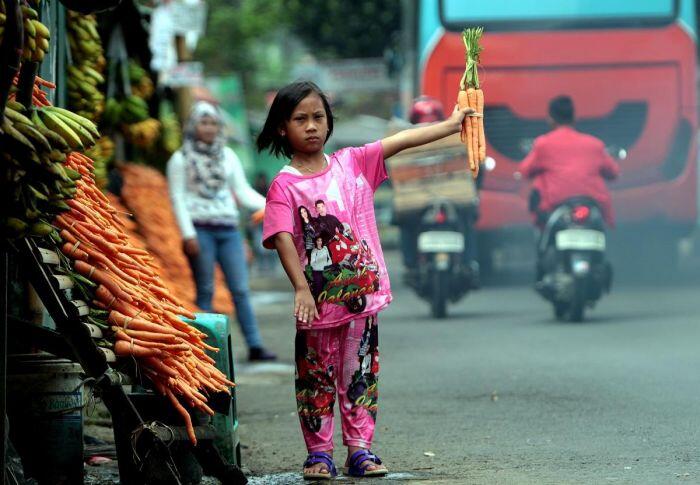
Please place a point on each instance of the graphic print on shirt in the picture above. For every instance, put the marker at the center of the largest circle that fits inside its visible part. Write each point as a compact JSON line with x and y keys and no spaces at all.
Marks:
{"x":340,"y":269}
{"x":363,"y":389}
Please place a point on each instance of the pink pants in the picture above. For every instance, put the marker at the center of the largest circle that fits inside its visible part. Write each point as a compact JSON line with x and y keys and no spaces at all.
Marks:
{"x":342,"y":360}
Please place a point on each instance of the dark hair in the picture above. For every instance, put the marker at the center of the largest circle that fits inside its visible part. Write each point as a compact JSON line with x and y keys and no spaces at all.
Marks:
{"x":561,"y":110}
{"x":281,"y":111}
{"x":320,"y":201}
{"x":308,"y":214}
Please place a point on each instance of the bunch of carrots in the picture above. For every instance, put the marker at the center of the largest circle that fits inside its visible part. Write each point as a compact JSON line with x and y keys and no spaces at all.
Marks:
{"x":471,"y":95}
{"x":130,"y":302}
{"x":145,"y":193}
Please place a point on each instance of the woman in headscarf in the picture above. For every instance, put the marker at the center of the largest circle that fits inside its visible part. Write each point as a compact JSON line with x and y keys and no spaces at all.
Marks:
{"x":203,"y":177}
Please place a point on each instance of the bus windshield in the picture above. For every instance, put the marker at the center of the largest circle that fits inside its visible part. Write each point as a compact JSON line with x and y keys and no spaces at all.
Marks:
{"x":555,"y":12}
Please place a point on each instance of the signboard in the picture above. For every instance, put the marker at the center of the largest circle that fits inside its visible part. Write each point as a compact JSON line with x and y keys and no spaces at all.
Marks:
{"x":356,"y":75}
{"x":184,"y":74}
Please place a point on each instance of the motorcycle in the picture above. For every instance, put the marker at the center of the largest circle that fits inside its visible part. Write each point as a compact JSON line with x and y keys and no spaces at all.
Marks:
{"x":441,"y":274}
{"x":573,"y":272}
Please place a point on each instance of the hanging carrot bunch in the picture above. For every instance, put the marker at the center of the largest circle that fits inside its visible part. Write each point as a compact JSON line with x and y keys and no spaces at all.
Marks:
{"x":471,"y":95}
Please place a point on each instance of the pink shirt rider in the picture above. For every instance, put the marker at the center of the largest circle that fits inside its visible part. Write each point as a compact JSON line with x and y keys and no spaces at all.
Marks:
{"x":340,"y":196}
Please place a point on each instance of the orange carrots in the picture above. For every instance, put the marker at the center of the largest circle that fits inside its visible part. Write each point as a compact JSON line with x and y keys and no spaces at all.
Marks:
{"x":471,"y":95}
{"x":143,"y":313}
{"x":124,"y":348}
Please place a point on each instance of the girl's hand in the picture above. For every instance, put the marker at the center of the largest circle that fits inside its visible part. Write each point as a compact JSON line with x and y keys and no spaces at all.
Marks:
{"x":304,"y":306}
{"x":457,"y":117}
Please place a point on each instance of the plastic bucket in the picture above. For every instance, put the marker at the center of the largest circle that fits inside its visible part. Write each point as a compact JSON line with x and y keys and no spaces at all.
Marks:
{"x":45,"y":404}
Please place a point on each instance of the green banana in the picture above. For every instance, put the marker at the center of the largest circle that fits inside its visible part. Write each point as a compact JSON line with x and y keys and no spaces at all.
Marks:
{"x":37,"y":194}
{"x":40,"y":229}
{"x":82,"y":121}
{"x":55,"y":123}
{"x":32,"y":134}
{"x":94,"y":74}
{"x":16,"y":226}
{"x":56,"y":141}
{"x":72,"y":174}
{"x":85,"y":136}
{"x":16,"y":116}
{"x":12,"y":132}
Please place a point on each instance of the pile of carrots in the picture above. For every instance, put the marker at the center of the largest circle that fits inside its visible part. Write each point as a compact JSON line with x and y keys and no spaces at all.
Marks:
{"x":471,"y":95}
{"x":145,"y":193}
{"x":142,"y":315}
{"x":136,"y":312}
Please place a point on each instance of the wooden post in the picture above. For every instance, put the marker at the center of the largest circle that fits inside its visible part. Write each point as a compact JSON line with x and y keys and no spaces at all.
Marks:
{"x":183,"y":94}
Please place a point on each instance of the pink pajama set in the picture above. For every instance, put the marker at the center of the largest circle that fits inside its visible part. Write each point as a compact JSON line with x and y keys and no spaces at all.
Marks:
{"x":331,"y":218}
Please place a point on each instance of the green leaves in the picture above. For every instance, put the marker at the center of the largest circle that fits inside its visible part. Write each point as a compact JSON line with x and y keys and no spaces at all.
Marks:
{"x":472,"y":48}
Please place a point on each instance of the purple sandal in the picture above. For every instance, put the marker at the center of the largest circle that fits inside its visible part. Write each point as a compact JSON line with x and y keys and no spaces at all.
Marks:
{"x":357,"y":469}
{"x":320,"y":457}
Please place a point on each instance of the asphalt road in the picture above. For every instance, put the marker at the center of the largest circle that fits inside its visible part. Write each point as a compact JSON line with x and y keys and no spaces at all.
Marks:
{"x":501,"y":393}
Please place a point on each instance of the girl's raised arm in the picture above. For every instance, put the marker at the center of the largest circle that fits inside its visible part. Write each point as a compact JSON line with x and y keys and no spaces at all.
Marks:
{"x":421,"y":135}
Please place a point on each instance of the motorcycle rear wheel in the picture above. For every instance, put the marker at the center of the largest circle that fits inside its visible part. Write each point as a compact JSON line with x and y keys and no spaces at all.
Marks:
{"x":438,"y":301}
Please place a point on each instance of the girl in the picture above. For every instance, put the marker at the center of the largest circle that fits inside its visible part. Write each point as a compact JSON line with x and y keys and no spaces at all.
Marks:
{"x":202,"y":176}
{"x":336,"y":344}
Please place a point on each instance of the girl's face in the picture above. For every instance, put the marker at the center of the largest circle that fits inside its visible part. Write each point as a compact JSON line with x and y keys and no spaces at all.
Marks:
{"x":319,"y":243}
{"x":307,"y":128}
{"x":304,"y":214}
{"x":207,"y":129}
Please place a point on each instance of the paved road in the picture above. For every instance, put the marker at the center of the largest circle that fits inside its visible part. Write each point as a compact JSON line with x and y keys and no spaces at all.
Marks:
{"x":501,"y":393}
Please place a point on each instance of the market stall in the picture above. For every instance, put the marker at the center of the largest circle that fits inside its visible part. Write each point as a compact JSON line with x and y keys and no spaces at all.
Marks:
{"x":107,"y":319}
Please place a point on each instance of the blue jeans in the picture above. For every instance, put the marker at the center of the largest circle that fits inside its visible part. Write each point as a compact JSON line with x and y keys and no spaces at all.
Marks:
{"x":225,"y":246}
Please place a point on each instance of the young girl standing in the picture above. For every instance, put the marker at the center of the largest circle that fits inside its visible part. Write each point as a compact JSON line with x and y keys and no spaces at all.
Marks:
{"x":336,"y":344}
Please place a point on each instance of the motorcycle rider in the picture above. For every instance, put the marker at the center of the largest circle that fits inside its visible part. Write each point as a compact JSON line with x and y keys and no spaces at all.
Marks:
{"x":426,"y":109}
{"x":566,"y":163}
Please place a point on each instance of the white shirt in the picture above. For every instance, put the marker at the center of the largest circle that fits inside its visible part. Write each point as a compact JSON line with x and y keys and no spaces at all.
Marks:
{"x":320,"y":259}
{"x":190,"y":207}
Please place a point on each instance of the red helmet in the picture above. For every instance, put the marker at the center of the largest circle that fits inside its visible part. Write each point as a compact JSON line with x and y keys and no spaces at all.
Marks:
{"x":426,"y":109}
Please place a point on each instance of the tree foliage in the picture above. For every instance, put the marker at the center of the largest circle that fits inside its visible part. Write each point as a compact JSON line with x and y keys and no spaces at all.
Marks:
{"x":233,"y":30}
{"x":343,"y":29}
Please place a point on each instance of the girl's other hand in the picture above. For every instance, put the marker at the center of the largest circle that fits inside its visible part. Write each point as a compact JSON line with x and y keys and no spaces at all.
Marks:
{"x":457,"y":117}
{"x":304,"y":306}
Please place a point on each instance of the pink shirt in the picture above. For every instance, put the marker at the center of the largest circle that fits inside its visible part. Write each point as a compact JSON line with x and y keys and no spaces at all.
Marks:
{"x":331,"y":213}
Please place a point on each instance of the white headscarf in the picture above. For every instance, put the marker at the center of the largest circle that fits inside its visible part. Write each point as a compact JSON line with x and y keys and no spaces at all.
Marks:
{"x":204,"y":160}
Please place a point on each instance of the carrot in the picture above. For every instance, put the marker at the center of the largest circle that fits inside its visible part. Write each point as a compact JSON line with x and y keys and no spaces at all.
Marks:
{"x":480,"y":121}
{"x":466,"y":135}
{"x":119,"y":319}
{"x":160,"y":367}
{"x":471,"y":93}
{"x":102,"y":278}
{"x":124,"y":349}
{"x":149,"y":336}
{"x":185,"y":415}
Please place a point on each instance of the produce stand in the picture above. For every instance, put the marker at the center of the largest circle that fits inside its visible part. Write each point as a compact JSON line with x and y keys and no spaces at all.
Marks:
{"x":53,"y":202}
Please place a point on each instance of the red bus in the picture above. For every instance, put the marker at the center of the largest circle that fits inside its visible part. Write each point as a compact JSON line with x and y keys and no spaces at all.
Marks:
{"x":630,"y":68}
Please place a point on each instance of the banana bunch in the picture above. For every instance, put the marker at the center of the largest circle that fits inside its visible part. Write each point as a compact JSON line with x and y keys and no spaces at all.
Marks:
{"x":34,"y":183}
{"x":141,"y":83}
{"x":86,"y":74}
{"x":131,"y":109}
{"x":143,"y":134}
{"x":102,"y":154}
{"x":36,"y":36}
{"x":171,"y":133}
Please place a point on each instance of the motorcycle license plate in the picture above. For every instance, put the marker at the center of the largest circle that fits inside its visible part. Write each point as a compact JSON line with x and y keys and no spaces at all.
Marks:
{"x":581,"y":239}
{"x":440,"y":242}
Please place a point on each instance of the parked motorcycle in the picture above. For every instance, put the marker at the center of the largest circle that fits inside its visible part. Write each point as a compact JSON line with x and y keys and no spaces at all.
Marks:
{"x":442,"y":275}
{"x":573,"y":272}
